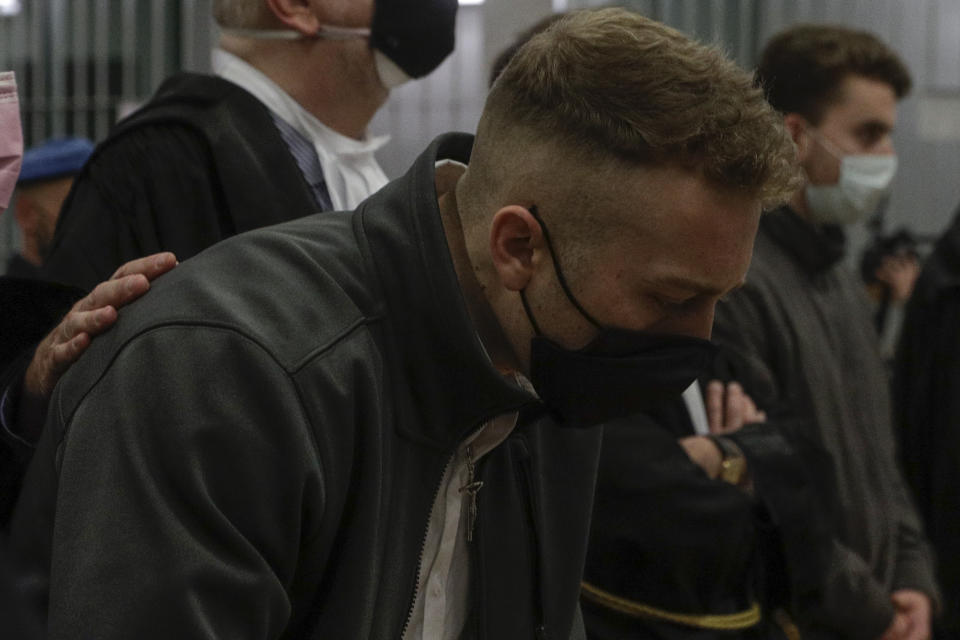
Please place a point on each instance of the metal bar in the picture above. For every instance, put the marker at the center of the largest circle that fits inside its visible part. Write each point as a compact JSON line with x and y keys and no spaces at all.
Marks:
{"x":747,"y":23}
{"x":6,"y":54}
{"x":718,"y":28}
{"x":189,"y":26}
{"x":128,"y":51}
{"x":81,"y":56}
{"x":205,"y":32}
{"x":18,"y":49}
{"x":58,"y":68}
{"x":158,"y":46}
{"x":38,"y":79}
{"x":101,"y":73}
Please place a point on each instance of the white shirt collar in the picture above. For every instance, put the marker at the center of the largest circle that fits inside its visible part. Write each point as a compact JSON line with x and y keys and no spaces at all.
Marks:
{"x":349,"y":166}
{"x":238,"y":71}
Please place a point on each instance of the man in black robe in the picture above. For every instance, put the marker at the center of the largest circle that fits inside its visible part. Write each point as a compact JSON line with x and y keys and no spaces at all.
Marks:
{"x":927,"y":401}
{"x":273,"y":135}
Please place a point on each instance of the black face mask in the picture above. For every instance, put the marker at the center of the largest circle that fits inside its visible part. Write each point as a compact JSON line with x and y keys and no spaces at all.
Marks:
{"x":417,"y":35}
{"x":620,"y":373}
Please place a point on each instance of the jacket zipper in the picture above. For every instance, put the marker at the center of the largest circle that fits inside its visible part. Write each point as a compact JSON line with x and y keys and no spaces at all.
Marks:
{"x":526,"y":482}
{"x":472,"y":487}
{"x":423,"y":546}
{"x":476,"y":586}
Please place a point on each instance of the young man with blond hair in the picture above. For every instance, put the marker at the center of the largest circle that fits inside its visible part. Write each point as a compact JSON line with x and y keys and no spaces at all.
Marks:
{"x":389,"y":426}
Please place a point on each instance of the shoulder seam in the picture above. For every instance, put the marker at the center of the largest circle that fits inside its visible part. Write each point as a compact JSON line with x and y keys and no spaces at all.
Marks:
{"x":66,"y":419}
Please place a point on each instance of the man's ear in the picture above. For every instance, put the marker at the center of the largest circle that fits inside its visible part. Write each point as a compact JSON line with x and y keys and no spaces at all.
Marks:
{"x":797,"y":126}
{"x":295,"y":14}
{"x":515,"y":240}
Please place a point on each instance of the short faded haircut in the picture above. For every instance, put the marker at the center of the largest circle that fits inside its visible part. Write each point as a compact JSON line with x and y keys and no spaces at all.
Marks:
{"x":803,"y":68}
{"x":611,"y":85}
{"x":242,"y":14}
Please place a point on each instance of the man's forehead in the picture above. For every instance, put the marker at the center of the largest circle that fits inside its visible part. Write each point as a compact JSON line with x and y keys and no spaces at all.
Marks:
{"x":862,"y":99}
{"x":671,"y":190}
{"x":681,"y":211}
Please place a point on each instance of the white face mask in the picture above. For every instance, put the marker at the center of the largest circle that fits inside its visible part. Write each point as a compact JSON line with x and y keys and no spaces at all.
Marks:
{"x":864,"y":180}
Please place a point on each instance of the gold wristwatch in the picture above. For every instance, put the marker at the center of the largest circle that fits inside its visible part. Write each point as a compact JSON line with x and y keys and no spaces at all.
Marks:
{"x":733,"y":464}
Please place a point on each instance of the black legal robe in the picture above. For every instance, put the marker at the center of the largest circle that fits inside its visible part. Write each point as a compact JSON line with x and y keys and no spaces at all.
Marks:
{"x":927,"y":403}
{"x":200,"y":162}
{"x":674,"y":554}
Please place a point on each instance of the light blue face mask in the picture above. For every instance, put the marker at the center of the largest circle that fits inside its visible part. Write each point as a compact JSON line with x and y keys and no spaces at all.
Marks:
{"x":864,"y":181}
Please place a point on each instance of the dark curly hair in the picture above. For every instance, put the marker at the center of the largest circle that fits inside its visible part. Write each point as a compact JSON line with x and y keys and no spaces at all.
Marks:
{"x":802,"y":69}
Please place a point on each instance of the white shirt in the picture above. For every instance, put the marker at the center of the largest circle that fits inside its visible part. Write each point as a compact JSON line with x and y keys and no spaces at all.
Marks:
{"x":441,"y":603}
{"x":350,"y":168}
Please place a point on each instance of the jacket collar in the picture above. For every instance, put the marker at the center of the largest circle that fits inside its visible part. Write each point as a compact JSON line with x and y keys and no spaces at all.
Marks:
{"x":816,"y":247}
{"x":442,"y":361}
{"x":217,"y":110}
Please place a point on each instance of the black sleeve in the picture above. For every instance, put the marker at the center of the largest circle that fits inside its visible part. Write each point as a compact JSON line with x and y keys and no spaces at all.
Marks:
{"x":152,"y":189}
{"x":827,"y":588}
{"x":927,"y":399}
{"x":30,"y":310}
{"x":837,"y":590}
{"x":19,"y":620}
{"x":665,"y":536}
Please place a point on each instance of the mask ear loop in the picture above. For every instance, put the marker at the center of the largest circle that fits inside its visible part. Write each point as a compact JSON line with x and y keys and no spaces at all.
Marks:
{"x":557,"y":270}
{"x":526,"y":309}
{"x":332,"y":32}
{"x":327,"y":32}
{"x":827,"y":144}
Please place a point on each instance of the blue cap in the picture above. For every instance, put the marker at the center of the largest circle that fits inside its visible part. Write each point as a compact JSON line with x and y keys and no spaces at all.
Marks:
{"x":55,"y":159}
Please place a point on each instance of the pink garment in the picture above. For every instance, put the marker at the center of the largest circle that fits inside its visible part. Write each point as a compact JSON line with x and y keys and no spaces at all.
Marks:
{"x":11,"y":138}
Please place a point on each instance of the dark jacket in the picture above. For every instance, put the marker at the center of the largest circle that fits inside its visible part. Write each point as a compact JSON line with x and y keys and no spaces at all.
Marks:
{"x":927,"y":398}
{"x":256,"y":456}
{"x":201,"y":161}
{"x":29,"y":309}
{"x":801,"y":334}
